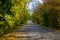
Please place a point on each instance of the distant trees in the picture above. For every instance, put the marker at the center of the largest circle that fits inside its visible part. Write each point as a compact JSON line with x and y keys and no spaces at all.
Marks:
{"x":13,"y":13}
{"x":48,"y":14}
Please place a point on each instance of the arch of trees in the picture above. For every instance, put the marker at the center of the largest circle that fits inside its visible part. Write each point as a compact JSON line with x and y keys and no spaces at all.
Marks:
{"x":48,"y":14}
{"x":13,"y":13}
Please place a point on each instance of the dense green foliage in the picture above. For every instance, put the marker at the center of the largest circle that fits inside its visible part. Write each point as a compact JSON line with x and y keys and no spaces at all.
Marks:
{"x":13,"y":13}
{"x":48,"y":14}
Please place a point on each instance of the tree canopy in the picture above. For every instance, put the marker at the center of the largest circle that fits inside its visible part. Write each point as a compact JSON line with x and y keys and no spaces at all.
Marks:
{"x":48,"y":14}
{"x":13,"y":13}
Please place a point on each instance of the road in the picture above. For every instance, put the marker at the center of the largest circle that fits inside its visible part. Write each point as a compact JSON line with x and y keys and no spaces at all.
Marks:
{"x":32,"y":31}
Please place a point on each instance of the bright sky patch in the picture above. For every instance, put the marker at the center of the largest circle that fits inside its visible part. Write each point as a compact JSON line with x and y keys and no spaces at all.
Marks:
{"x":32,"y":4}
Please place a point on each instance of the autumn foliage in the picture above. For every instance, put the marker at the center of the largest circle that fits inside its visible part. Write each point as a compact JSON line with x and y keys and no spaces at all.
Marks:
{"x":48,"y":14}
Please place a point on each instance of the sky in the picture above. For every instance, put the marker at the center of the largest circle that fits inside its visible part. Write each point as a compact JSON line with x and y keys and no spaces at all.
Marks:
{"x":32,"y":4}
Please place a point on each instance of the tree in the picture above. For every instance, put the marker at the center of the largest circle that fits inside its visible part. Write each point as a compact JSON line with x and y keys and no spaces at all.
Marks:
{"x":49,"y":12}
{"x":12,"y":14}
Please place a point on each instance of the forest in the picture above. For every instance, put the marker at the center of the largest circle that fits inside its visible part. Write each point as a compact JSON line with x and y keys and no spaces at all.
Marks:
{"x":47,"y":14}
{"x":13,"y":14}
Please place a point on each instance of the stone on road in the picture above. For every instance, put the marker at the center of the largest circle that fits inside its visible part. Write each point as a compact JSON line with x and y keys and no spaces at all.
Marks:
{"x":32,"y":31}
